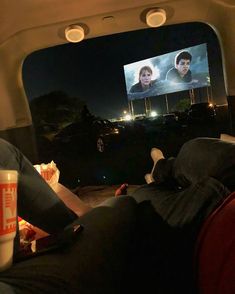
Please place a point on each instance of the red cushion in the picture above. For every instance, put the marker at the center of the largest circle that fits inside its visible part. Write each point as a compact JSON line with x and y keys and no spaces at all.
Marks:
{"x":215,"y":252}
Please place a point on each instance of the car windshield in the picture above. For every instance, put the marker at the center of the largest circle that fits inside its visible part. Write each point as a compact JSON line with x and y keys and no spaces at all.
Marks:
{"x":127,"y":82}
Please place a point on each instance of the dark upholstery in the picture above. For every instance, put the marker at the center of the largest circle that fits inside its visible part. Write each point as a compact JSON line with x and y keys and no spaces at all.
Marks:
{"x":215,"y":252}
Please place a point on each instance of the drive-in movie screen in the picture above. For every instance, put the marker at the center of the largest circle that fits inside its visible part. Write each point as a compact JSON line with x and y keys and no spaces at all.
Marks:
{"x":179,"y":70}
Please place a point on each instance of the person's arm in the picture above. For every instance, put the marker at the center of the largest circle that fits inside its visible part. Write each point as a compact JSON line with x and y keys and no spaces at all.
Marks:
{"x":71,"y":200}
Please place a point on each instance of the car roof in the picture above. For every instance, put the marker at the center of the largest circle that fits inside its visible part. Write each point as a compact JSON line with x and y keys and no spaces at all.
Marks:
{"x":41,"y":23}
{"x":18,"y":16}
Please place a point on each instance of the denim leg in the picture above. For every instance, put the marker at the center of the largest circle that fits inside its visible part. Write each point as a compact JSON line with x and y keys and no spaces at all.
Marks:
{"x":37,"y":202}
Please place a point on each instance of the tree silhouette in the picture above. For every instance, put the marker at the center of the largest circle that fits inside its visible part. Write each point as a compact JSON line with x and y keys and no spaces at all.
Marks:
{"x":56,"y":108}
{"x":183,"y":105}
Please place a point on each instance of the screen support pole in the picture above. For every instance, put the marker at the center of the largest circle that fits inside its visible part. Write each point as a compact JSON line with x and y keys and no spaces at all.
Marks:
{"x":167,"y":106}
{"x":192,"y":96}
{"x":131,"y":108}
{"x":147,"y":104}
{"x":207,"y":92}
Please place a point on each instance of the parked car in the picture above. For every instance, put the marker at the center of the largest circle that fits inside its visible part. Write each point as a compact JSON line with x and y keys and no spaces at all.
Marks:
{"x":201,"y":112}
{"x":169,"y":119}
{"x":97,"y":134}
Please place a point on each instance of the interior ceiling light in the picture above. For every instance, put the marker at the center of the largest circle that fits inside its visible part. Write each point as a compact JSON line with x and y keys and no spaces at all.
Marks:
{"x":74,"y":33}
{"x":155,"y":17}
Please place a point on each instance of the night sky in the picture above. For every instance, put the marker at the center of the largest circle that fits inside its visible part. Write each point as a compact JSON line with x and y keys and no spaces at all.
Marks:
{"x":93,"y":69}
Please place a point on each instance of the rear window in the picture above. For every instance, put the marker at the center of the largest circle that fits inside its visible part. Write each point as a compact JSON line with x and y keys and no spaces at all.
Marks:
{"x":100,"y":80}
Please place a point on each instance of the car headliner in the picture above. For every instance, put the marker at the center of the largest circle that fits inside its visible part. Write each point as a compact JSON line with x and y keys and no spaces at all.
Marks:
{"x":27,"y":26}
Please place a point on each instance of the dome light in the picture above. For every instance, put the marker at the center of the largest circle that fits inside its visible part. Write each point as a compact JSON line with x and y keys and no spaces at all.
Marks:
{"x":74,"y":33}
{"x":156,"y":17}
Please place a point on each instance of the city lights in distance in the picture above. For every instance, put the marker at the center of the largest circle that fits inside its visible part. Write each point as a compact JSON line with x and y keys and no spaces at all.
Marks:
{"x":127,"y":117}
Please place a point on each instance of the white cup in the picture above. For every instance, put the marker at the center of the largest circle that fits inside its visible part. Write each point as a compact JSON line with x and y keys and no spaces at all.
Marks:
{"x":8,"y":214}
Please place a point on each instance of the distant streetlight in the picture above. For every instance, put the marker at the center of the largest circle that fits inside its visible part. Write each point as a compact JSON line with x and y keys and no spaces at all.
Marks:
{"x":153,"y":113}
{"x":124,"y":112}
{"x":127,"y":117}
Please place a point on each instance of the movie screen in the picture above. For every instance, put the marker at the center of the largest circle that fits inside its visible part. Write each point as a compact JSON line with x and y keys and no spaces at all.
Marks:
{"x":180,"y":70}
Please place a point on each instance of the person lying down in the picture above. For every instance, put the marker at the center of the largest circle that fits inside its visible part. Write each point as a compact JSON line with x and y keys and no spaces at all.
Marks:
{"x":141,"y":240}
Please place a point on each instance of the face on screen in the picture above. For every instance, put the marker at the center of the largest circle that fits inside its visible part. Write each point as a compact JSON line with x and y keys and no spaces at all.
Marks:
{"x":145,"y":78}
{"x":195,"y":73}
{"x":183,"y":66}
